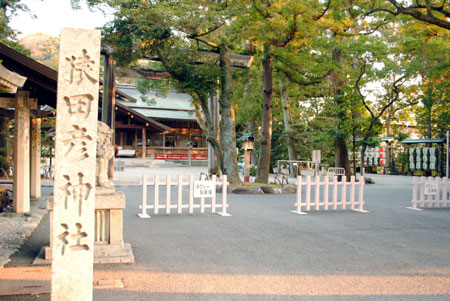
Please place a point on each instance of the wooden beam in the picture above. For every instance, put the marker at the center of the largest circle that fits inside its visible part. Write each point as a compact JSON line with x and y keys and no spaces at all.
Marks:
{"x":7,"y":102}
{"x":236,"y":60}
{"x":126,"y":126}
{"x":10,"y":81}
{"x":142,"y":73}
{"x":30,"y":103}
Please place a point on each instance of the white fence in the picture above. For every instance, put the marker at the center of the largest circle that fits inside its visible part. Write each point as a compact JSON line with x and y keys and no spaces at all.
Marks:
{"x":430,"y":193}
{"x":324,"y":199}
{"x":166,"y":206}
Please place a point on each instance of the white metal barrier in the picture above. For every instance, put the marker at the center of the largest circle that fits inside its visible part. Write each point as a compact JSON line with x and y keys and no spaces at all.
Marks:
{"x":430,"y":193}
{"x":324,"y":200}
{"x":180,"y":205}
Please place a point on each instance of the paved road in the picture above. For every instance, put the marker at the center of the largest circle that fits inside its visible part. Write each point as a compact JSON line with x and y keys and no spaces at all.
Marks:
{"x":264,"y":252}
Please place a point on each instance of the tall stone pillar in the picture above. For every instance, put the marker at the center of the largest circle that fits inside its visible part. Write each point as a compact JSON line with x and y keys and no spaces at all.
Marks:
{"x":35,"y":186}
{"x":73,"y":224}
{"x":21,"y":186}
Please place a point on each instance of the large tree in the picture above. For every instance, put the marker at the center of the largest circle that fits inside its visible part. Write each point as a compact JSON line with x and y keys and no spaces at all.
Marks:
{"x":189,"y":39}
{"x":280,"y":29}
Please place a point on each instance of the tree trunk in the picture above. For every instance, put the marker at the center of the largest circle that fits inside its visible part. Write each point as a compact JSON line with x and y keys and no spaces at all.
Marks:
{"x":262,"y":173}
{"x":428,"y":108}
{"x":340,"y":143}
{"x":230,"y":166}
{"x":208,"y":129}
{"x":389,"y":159}
{"x":292,"y":150}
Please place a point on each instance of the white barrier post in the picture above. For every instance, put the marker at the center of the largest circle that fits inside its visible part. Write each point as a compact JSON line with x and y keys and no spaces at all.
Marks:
{"x":362,"y":182}
{"x":308,"y":193}
{"x":326,"y":191}
{"x":180,"y":194}
{"x":438,"y":195}
{"x":299,"y":197}
{"x":168,"y":194}
{"x":213,"y":199}
{"x":224,"y":197}
{"x":352,"y":192}
{"x":414,"y":200}
{"x":335,"y":192}
{"x":202,"y":200}
{"x":156,"y":194}
{"x":344,"y":192}
{"x":445,"y":195}
{"x":317,"y":192}
{"x":191,"y":194}
{"x":422,"y":191}
{"x":144,"y":199}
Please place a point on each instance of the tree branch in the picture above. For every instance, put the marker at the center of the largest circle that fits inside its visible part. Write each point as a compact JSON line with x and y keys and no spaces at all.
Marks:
{"x":324,"y":11}
{"x":202,"y":34}
{"x":363,"y":99}
{"x":414,"y":11}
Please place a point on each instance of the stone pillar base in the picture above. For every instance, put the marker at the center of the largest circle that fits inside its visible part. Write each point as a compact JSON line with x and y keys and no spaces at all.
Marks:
{"x":102,"y":254}
{"x":109,"y":246}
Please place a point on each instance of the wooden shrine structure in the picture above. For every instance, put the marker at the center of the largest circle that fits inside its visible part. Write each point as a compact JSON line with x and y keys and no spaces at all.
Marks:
{"x":25,"y":86}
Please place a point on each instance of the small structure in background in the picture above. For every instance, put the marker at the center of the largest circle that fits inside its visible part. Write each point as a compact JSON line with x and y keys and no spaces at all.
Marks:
{"x":248,"y":144}
{"x":425,"y":157}
{"x":158,"y":127}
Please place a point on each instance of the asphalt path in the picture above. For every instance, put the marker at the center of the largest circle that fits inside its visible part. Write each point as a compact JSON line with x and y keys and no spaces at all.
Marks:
{"x":265,"y":252}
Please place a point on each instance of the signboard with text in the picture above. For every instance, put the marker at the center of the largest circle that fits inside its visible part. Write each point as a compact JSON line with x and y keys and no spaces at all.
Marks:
{"x":431,"y":188}
{"x":204,"y":189}
{"x":316,"y":156}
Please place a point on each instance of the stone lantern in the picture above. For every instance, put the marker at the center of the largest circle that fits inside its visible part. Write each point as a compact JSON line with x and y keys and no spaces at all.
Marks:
{"x":248,"y":144}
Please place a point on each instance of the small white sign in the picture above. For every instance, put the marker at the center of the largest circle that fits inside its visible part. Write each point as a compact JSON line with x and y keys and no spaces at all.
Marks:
{"x":204,"y":189}
{"x":431,"y":188}
{"x":316,"y":156}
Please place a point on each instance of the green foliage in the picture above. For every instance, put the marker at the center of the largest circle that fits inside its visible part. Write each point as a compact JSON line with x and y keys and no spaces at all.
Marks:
{"x":8,"y":35}
{"x":323,"y":49}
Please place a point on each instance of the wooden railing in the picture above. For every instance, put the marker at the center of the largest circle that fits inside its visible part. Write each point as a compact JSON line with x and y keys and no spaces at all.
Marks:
{"x":179,"y":156}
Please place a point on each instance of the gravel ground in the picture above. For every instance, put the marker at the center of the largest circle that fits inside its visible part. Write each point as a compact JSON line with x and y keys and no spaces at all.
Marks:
{"x":16,"y":228}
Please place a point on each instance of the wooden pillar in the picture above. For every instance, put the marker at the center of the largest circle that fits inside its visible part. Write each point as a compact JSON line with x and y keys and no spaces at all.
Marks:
{"x":109,"y":91}
{"x":121,"y":142}
{"x":135,"y":139}
{"x":164,"y":139}
{"x":4,"y":141}
{"x":35,"y":179}
{"x":21,"y":186}
{"x":144,"y":144}
{"x":109,"y":102}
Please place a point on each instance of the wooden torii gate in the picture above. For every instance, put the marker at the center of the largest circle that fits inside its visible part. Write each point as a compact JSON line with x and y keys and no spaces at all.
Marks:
{"x":27,"y":179}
